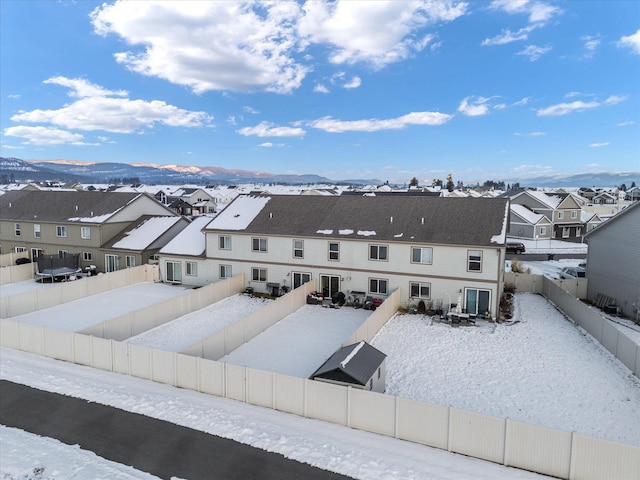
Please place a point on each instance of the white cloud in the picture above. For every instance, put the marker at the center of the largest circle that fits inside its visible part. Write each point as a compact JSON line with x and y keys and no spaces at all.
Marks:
{"x":239,"y":46}
{"x":625,"y":124}
{"x":331,"y":125}
{"x":271,"y":145}
{"x":355,"y":82}
{"x":631,"y":41}
{"x":507,"y":36}
{"x":596,"y":145}
{"x":267,"y":129}
{"x":591,"y":44}
{"x":231,"y":120}
{"x":378,"y":33}
{"x":44,"y":135}
{"x":251,"y":110}
{"x":14,"y":96}
{"x":539,"y":12}
{"x":320,"y":88}
{"x":533,"y":169}
{"x":530,"y":134}
{"x":534,"y":52}
{"x":94,"y":110}
{"x":578,"y":106}
{"x":521,"y":102}
{"x":474,"y":107}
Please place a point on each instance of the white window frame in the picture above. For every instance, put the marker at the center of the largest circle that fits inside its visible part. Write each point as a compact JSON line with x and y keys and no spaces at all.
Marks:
{"x":376,"y":252}
{"x":63,"y":253}
{"x":224,"y":242}
{"x":225,"y":271}
{"x":560,"y":215}
{"x":173,"y":271}
{"x":111,"y":262}
{"x":473,"y":260}
{"x":420,"y":286}
{"x":19,"y":249}
{"x":298,"y":248}
{"x":61,"y":231}
{"x":259,"y":244}
{"x":36,"y":230}
{"x":85,"y":233}
{"x":378,"y":286}
{"x":257,"y":274}
{"x":35,"y":253}
{"x":130,"y":261}
{"x":87,"y":256}
{"x":333,"y":252}
{"x":423,"y":253}
{"x":574,"y":214}
{"x":17,"y":230}
{"x":543,"y":230}
{"x":191,"y":269}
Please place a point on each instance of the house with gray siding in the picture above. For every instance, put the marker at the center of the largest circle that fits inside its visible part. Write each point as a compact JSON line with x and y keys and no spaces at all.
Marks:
{"x":525,"y":223}
{"x":613,"y":261}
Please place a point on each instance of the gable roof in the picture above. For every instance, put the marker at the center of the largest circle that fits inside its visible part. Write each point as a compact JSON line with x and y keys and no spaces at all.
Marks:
{"x":190,"y":241}
{"x":457,"y":221}
{"x":616,"y":218}
{"x":63,"y":206}
{"x":528,"y":215}
{"x":143,"y":233}
{"x":354,"y":363}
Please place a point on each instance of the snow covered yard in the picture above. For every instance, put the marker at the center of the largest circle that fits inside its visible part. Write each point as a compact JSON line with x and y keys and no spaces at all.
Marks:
{"x":85,"y":312}
{"x":183,"y":332}
{"x":299,"y":343}
{"x":540,"y":369}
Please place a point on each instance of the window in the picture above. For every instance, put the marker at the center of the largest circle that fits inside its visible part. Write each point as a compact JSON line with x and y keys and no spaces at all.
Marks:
{"x":378,"y":285}
{"x":298,"y":249}
{"x":259,"y":244}
{"x":61,"y":231}
{"x":225,"y":271}
{"x":474,"y":261}
{"x":20,"y":249}
{"x":63,"y":253}
{"x":420,"y":290}
{"x":174,"y":272}
{"x":224,"y":242}
{"x":36,"y":230}
{"x":85,"y":233}
{"x":111,"y":263}
{"x":574,"y":214}
{"x":421,"y":255}
{"x":17,"y":229}
{"x":543,"y":230}
{"x":334,"y":251}
{"x":371,"y":384}
{"x":299,"y":278}
{"x":191,"y":268}
{"x":130,"y":261}
{"x":378,"y":252}
{"x":560,"y":215}
{"x":259,"y":274}
{"x":87,"y":256}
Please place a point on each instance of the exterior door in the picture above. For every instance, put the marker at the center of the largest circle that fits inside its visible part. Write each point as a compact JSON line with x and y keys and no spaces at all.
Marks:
{"x":299,"y":278}
{"x":111,"y":263}
{"x":174,"y":272}
{"x":330,"y":284}
{"x":478,"y":301}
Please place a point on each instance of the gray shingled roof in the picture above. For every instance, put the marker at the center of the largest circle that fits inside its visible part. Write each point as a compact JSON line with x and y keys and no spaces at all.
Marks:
{"x":52,"y":206}
{"x":424,"y":219}
{"x":358,"y":369}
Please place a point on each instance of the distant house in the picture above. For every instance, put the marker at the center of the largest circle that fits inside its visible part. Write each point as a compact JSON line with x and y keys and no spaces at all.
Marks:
{"x":524,"y":223}
{"x":71,"y":222}
{"x":358,"y":365}
{"x":632,"y":194}
{"x":613,"y":261}
{"x":604,"y":198}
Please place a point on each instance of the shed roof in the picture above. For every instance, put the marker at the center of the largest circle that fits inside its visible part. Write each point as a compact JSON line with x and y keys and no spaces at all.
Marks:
{"x":411,"y":219}
{"x":354,"y":363}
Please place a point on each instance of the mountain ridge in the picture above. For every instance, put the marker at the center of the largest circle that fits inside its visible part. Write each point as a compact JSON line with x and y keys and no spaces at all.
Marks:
{"x":65,"y":170}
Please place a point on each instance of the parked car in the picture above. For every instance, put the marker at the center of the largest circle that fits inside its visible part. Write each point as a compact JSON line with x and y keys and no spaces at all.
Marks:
{"x":573,"y":272}
{"x":515,"y":247}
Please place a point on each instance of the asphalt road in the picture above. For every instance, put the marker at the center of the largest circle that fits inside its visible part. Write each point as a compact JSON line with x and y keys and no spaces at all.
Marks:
{"x":161,"y":448}
{"x":543,"y":257}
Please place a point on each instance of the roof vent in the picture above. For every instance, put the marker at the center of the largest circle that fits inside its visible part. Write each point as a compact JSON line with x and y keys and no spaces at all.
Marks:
{"x":76,"y":208}
{"x":391,"y":220}
{"x":270,"y":215}
{"x":422,"y":222}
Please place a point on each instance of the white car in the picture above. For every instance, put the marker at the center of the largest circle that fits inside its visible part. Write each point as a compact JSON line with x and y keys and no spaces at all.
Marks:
{"x":573,"y":272}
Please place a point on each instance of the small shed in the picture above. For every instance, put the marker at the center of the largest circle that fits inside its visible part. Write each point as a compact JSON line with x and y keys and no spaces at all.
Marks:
{"x":358,"y":365}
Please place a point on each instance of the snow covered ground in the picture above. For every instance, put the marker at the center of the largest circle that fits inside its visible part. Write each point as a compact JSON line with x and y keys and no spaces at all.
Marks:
{"x":183,"y":332}
{"x":300,"y":343}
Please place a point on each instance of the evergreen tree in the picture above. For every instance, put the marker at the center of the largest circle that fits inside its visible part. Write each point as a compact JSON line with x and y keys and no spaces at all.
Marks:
{"x":450,"y":184}
{"x":413,"y":182}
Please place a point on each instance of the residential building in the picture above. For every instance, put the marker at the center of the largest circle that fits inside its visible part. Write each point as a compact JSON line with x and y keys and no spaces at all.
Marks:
{"x":613,"y":261}
{"x":524,"y":223}
{"x":439,"y":250}
{"x":70,"y":222}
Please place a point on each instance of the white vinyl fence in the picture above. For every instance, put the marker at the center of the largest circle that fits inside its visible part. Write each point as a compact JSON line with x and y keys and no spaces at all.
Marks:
{"x":17,"y":273}
{"x":565,"y":295}
{"x":544,"y":450}
{"x":63,"y":292}
{"x":8,"y":259}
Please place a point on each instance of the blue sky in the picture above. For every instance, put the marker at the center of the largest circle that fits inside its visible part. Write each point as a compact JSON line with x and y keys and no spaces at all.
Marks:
{"x":357,"y":89}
